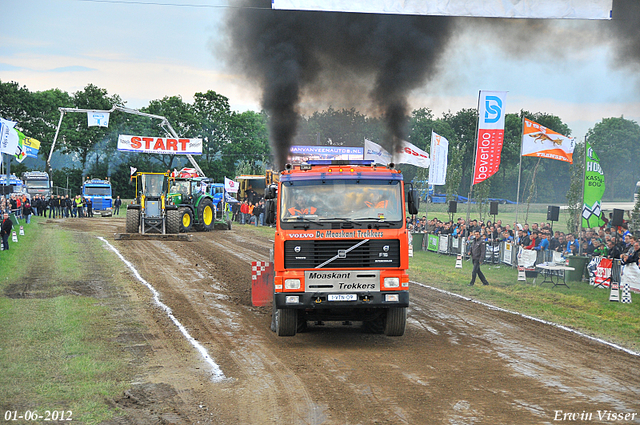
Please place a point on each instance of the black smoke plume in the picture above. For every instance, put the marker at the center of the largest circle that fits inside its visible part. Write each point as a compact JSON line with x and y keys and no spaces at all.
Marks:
{"x":339,"y":58}
{"x":373,"y":61}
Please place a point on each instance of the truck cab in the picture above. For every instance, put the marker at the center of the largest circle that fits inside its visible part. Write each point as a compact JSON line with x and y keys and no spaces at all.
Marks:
{"x":37,"y":183}
{"x":341,"y":246}
{"x":99,"y":191}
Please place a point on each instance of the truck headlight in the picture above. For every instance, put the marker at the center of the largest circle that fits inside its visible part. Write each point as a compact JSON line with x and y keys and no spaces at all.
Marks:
{"x":292,"y":284}
{"x":292,"y":299}
{"x":392,"y":282}
{"x":392,"y":298}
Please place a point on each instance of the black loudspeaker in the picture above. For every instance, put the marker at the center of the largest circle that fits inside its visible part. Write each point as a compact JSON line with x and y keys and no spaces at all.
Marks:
{"x":453,"y":207}
{"x":7,"y":190}
{"x":618,"y":217}
{"x":493,"y":208}
{"x":553,"y":213}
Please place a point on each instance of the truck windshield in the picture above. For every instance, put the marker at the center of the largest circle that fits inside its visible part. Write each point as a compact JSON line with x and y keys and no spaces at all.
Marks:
{"x":38,"y":184}
{"x":97,"y":191}
{"x":358,"y":200}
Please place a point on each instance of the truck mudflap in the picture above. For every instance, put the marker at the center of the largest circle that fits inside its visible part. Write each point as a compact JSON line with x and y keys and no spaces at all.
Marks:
{"x":262,"y":275}
{"x":324,"y":300}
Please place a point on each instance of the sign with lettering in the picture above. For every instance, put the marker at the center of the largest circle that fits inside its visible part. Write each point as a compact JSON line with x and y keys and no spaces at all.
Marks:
{"x":160,"y":145}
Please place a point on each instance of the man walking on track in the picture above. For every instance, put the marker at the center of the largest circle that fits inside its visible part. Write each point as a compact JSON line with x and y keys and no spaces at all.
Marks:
{"x":477,"y":256}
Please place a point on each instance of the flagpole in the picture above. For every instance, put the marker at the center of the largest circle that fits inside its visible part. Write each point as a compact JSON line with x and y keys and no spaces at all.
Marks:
{"x":519,"y":173}
{"x":473,"y":171}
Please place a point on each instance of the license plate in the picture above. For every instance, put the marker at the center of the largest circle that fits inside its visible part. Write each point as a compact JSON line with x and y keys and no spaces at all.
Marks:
{"x":342,"y":297}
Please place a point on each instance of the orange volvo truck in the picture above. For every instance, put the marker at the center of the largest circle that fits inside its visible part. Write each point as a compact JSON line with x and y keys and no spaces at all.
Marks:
{"x":341,"y":248}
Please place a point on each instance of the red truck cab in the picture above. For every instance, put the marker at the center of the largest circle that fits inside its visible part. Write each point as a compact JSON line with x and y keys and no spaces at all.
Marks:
{"x":341,"y":246}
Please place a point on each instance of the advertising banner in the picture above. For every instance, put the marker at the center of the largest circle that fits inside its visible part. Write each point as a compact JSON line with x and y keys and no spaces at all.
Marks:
{"x":432,"y":243}
{"x":439,"y":159}
{"x":631,"y":276}
{"x":298,"y":154}
{"x":490,"y":134}
{"x":159,"y":145}
{"x":538,"y":9}
{"x":593,"y":191}
{"x":539,"y":141}
{"x":443,"y":244}
{"x":603,"y":273}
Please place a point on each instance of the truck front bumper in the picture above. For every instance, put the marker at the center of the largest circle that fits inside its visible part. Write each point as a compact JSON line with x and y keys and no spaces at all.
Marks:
{"x":320,"y":300}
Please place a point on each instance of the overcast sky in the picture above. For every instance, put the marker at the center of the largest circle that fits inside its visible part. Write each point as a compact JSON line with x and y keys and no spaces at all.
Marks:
{"x":144,"y":50}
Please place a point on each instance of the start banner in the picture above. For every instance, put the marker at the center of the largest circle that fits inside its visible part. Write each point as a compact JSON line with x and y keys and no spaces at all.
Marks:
{"x":490,"y":134}
{"x":160,"y":145}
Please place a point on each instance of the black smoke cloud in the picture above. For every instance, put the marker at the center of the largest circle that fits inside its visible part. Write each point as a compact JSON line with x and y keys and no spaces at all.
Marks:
{"x":377,"y":60}
{"x":338,"y":57}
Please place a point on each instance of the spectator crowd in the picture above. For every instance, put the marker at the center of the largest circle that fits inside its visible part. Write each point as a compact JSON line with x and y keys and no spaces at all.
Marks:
{"x":56,"y":206}
{"x":607,"y":241}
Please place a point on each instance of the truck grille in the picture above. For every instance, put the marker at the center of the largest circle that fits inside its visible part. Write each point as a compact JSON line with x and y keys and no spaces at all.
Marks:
{"x":375,"y":253}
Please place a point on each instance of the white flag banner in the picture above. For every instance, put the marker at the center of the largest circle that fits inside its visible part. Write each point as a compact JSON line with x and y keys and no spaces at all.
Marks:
{"x":8,"y":137}
{"x":538,"y":9}
{"x":230,"y":185}
{"x":439,"y":159}
{"x":160,"y":145}
{"x":411,"y":154}
{"x":376,"y":152}
{"x":97,"y":119}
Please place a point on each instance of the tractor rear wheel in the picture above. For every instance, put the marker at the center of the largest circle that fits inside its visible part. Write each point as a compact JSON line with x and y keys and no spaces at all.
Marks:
{"x":186,"y":219}
{"x":133,"y":221}
{"x":173,"y":221}
{"x":205,"y":215}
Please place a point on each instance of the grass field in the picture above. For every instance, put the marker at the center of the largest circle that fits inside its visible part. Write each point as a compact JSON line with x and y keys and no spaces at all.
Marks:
{"x":58,"y":351}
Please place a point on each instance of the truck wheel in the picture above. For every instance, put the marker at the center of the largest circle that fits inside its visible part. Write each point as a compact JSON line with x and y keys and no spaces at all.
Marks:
{"x":286,"y":321}
{"x":173,"y":221}
{"x":186,"y":219}
{"x":205,"y":214}
{"x":133,"y":221}
{"x":396,"y":321}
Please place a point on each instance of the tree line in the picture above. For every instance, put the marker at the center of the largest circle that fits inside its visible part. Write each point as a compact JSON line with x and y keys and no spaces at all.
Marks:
{"x":237,"y":143}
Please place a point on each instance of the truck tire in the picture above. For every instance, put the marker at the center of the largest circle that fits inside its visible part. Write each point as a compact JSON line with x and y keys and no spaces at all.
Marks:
{"x":286,"y":321}
{"x":396,"y":321}
{"x":206,"y":219}
{"x":133,"y":221}
{"x":173,"y":221}
{"x":186,"y":219}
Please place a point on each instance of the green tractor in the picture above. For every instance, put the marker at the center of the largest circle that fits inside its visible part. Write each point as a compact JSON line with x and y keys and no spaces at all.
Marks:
{"x":194,"y":202}
{"x":151,"y":211}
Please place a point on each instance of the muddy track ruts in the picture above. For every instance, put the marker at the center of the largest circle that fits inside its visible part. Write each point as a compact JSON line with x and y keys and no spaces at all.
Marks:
{"x":459,"y":362}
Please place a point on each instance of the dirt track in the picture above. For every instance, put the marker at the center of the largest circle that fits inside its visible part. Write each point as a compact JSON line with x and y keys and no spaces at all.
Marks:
{"x":458,"y":363}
